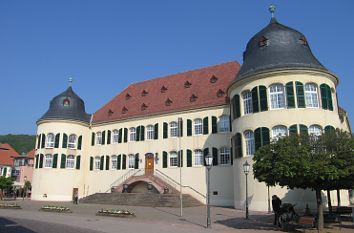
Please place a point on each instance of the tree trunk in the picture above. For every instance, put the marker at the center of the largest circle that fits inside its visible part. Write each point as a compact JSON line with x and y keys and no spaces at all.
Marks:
{"x":338,"y":197}
{"x":329,"y":201}
{"x":319,"y":210}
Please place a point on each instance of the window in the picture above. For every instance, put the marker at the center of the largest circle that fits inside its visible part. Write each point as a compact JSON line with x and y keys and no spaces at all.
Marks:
{"x":70,"y":161}
{"x":150,"y":132}
{"x":198,"y":158}
{"x":262,"y":42}
{"x":132,"y":134}
{"x":173,"y":159}
{"x":277,"y":98}
{"x":97,"y":163}
{"x":115,"y":136}
{"x":225,"y":155}
{"x":48,"y":160}
{"x":50,"y":140}
{"x":224,"y":124}
{"x":198,"y":126}
{"x":279,"y":131}
{"x":72,"y":141}
{"x":249,"y":140}
{"x":114,"y":162}
{"x":315,"y":130}
{"x":131,"y":161}
{"x":311,"y":95}
{"x":247,"y":102}
{"x":99,"y":138}
{"x":174,"y":129}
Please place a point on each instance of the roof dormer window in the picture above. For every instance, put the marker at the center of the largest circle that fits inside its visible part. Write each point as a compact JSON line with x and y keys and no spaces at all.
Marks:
{"x":163,"y":89}
{"x":193,"y":98}
{"x":220,"y":93}
{"x":66,"y":102}
{"x":187,"y":84}
{"x":168,"y":102}
{"x":127,"y":96}
{"x":144,"y":93}
{"x":303,"y":41}
{"x":262,"y":42}
{"x":110,"y":112}
{"x":124,"y":110}
{"x":213,"y":79}
{"x":143,"y":107}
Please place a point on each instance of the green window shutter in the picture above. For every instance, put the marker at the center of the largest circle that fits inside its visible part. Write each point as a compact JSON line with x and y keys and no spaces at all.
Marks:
{"x":236,"y":106}
{"x":63,"y":161}
{"x":324,"y":99}
{"x":164,"y":159}
{"x":43,"y":141}
{"x":165,"y":130}
{"x":103,"y":137}
{"x":39,"y":138}
{"x":136,"y":165}
{"x":189,"y":158}
{"x":293,"y":130}
{"x":65,"y":141}
{"x":120,"y":132}
{"x":230,"y":123}
{"x":215,"y":156}
{"x":119,"y":161}
{"x":257,"y":138}
{"x":214,"y":124}
{"x":142,"y":133}
{"x":329,"y":129}
{"x":107,"y":162}
{"x":79,"y":143}
{"x":265,"y":136}
{"x":91,"y":163}
{"x":329,"y":98}
{"x":300,"y":95}
{"x":290,"y":98}
{"x":41,"y":160}
{"x":56,"y":141}
{"x":189,"y":127}
{"x":55,"y":161}
{"x":124,"y":162}
{"x":37,"y":161}
{"x":255,"y":100}
{"x":102,"y":162}
{"x":303,"y":130}
{"x":78,"y":160}
{"x":231,"y":154}
{"x":108,"y":137}
{"x":156,"y":131}
{"x":263,"y":98}
{"x":138,"y":133}
{"x":180,"y":128}
{"x":92,"y":139}
{"x":205,"y":153}
{"x":205,"y":125}
{"x":125,"y":135}
{"x":238,"y":145}
{"x":180,"y":158}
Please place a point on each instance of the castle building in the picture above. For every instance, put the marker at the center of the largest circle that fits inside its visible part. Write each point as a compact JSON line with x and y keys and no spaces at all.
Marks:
{"x":158,"y":132}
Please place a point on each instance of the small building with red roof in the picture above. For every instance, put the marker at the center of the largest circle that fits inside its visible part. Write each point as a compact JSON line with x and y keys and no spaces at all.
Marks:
{"x":7,"y":155}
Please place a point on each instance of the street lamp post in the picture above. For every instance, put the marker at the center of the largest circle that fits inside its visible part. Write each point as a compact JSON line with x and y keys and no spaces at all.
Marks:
{"x":246,"y":170}
{"x":24,"y":188}
{"x":208,"y":163}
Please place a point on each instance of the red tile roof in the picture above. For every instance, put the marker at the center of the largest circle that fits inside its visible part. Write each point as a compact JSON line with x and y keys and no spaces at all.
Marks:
{"x":199,"y":88}
{"x":7,"y":153}
{"x":31,"y":153}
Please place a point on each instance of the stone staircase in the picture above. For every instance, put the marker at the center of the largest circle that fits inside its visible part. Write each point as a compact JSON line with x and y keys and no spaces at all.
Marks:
{"x":141,"y":199}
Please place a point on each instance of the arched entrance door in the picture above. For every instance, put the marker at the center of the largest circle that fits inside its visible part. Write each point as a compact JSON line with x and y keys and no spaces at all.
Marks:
{"x":149,"y":164}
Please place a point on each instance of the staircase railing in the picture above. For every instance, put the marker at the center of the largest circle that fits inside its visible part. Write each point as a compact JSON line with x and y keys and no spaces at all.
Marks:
{"x":123,"y":178}
{"x":174,"y":183}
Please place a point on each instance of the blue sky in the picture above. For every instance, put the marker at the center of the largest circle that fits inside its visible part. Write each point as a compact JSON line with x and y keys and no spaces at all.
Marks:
{"x":106,"y":45}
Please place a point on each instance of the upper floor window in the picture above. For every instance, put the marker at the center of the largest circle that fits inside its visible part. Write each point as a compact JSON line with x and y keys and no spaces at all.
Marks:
{"x":315,"y":130}
{"x":277,"y":97}
{"x":114,"y":162}
{"x":48,"y":160}
{"x":198,"y":157}
{"x":72,"y":141}
{"x":311,"y":95}
{"x":97,"y":163}
{"x":131,"y":161}
{"x":173,"y":159}
{"x":224,"y":124}
{"x":132,"y":134}
{"x":249,"y":140}
{"x":99,"y":138}
{"x":70,"y":161}
{"x":174,"y":129}
{"x":225,"y":155}
{"x":198,"y":126}
{"x":279,"y":131}
{"x":115,"y":136}
{"x":50,"y":140}
{"x":247,"y":102}
{"x":150,"y":132}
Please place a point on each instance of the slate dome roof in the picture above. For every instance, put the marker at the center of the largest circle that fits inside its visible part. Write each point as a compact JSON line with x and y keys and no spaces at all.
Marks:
{"x":67,"y":105}
{"x":277,"y":47}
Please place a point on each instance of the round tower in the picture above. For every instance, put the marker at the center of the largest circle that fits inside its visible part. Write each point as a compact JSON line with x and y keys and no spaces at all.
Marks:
{"x":60,"y":147}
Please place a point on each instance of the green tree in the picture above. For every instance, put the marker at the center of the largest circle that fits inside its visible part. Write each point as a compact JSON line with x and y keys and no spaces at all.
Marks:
{"x":5,"y":183}
{"x":21,"y":143}
{"x":318,"y":163}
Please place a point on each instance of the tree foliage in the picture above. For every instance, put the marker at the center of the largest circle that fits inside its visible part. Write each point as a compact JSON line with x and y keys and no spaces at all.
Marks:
{"x":5,"y":183}
{"x":21,"y":143}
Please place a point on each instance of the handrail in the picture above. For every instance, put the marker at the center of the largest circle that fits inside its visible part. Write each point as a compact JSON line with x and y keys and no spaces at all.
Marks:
{"x":123,"y":178}
{"x":177,"y":183}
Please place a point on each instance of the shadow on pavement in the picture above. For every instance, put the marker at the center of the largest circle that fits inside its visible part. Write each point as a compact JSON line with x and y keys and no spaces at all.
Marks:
{"x":8,"y":226}
{"x":256,"y":222}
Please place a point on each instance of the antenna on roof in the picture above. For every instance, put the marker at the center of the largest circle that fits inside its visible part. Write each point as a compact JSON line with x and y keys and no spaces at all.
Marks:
{"x":271,"y":9}
{"x":70,"y":81}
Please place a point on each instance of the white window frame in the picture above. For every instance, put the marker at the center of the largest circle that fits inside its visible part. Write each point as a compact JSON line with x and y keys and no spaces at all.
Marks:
{"x":279,"y":131}
{"x":277,"y":96}
{"x":131,"y":161}
{"x":114,"y":162}
{"x":247,"y":102}
{"x":225,"y":155}
{"x":50,"y":140}
{"x":311,"y":95}
{"x":97,"y":163}
{"x":250,"y":143}
{"x":224,"y":124}
{"x":70,"y":162}
{"x":173,"y":159}
{"x":132,"y":134}
{"x":198,"y":158}
{"x":72,"y":141}
{"x":315,"y":130}
{"x":150,"y":132}
{"x":48,"y":161}
{"x":115,"y":136}
{"x":198,"y":126}
{"x":99,"y":138}
{"x":173,"y":129}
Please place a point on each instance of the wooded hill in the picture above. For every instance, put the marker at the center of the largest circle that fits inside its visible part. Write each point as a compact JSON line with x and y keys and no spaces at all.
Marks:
{"x":21,"y":143}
